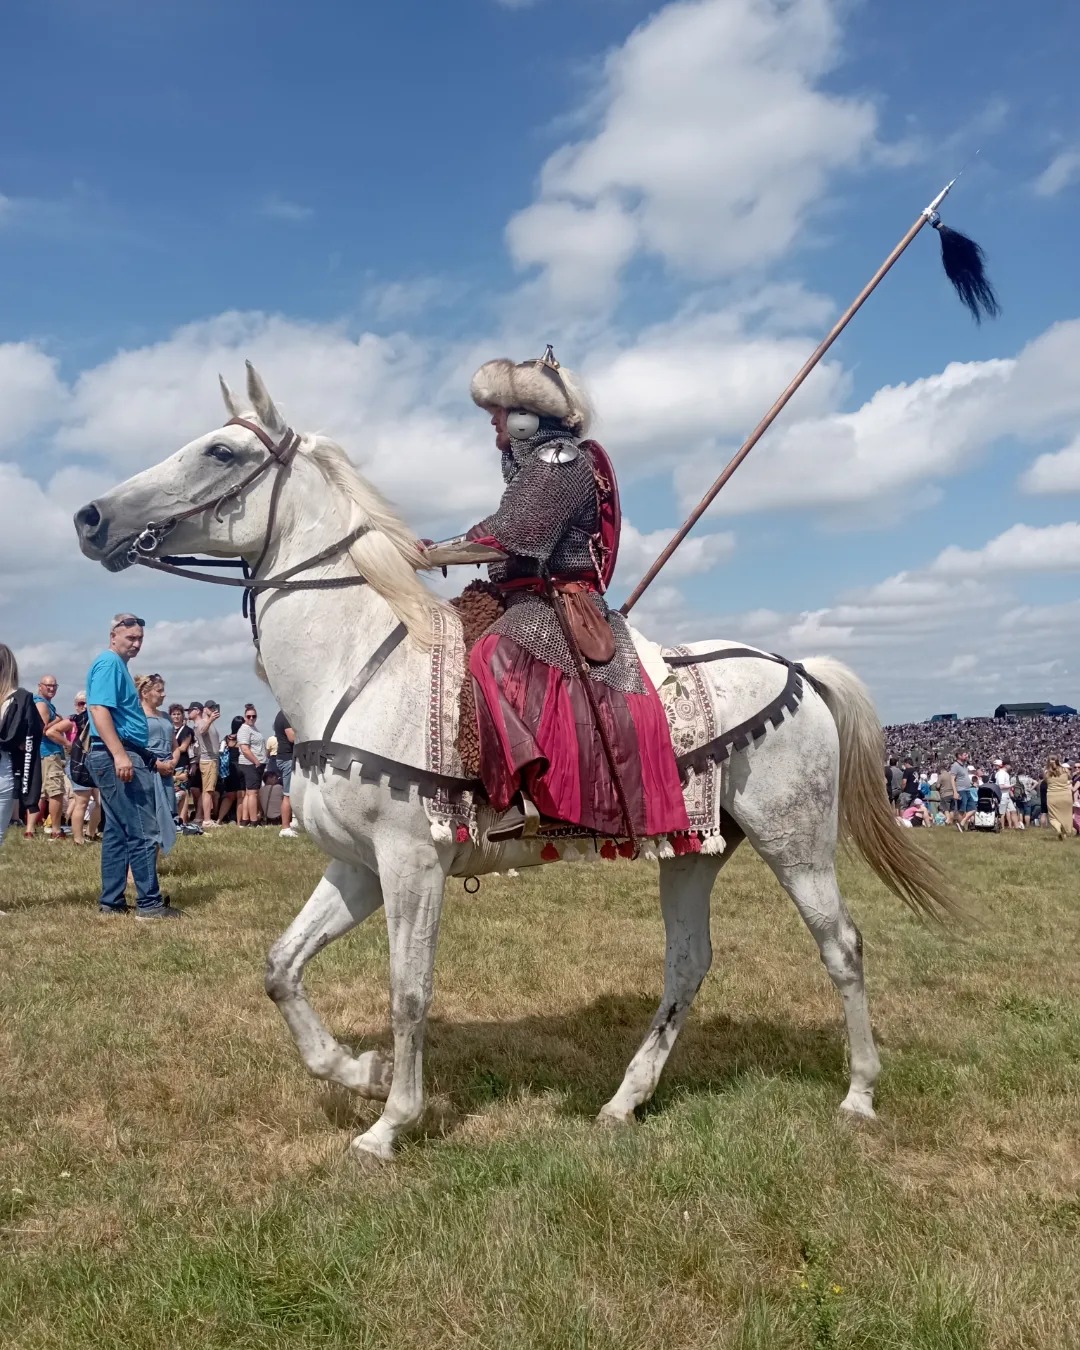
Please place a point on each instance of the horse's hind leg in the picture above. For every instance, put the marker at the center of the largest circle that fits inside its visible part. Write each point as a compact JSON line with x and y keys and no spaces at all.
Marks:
{"x":343,"y":898}
{"x":685,"y":886}
{"x":817,"y":897}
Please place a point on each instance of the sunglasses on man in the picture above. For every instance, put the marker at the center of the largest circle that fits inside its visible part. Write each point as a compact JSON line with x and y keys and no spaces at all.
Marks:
{"x":130,"y":622}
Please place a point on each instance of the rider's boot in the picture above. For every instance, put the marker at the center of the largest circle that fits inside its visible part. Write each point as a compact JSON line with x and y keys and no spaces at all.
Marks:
{"x":520,"y":820}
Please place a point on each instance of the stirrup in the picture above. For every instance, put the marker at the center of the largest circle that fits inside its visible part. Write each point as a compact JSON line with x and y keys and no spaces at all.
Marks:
{"x":516,"y":822}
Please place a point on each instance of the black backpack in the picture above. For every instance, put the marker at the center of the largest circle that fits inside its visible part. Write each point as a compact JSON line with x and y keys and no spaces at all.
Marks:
{"x":77,"y":770}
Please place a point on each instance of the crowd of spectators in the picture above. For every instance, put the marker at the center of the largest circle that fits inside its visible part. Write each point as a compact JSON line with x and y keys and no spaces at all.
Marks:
{"x":1003,"y":773}
{"x":152,"y":775}
{"x":1026,"y":742}
{"x":213,"y":776}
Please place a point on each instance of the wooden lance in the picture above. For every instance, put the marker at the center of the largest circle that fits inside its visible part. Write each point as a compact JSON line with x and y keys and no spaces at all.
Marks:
{"x":963,"y":262}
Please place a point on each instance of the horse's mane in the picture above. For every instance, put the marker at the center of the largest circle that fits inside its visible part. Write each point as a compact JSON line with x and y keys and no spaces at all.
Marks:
{"x":389,"y":553}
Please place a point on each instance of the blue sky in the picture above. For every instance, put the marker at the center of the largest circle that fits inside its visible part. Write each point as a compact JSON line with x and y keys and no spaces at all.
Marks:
{"x":370,"y":200}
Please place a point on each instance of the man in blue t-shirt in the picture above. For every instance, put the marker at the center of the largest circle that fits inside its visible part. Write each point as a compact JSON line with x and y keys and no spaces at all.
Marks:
{"x":54,"y":733}
{"x":122,"y":768}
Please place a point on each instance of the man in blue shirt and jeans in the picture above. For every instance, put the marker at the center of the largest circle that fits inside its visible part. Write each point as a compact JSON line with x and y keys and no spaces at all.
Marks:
{"x":122,"y":768}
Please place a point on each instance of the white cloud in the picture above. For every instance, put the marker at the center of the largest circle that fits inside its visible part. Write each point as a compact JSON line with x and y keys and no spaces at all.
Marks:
{"x":961,"y":666}
{"x":406,"y":299}
{"x":710,"y":145}
{"x":275,"y":207}
{"x":199,"y":658}
{"x":31,"y":392}
{"x":923,"y":643}
{"x":905,"y":436}
{"x":1022,"y":548}
{"x":684,"y":388}
{"x":380,"y":397}
{"x":36,"y":534}
{"x":1056,"y":472}
{"x":1062,"y":172}
{"x":697,"y":554}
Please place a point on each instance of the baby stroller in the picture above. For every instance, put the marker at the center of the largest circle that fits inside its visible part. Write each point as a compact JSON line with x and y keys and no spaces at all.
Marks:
{"x":986,"y":809}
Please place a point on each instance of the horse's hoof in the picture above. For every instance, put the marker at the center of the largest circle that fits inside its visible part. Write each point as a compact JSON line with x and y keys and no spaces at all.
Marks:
{"x":370,"y":1153}
{"x":857,"y":1108}
{"x":615,"y":1119}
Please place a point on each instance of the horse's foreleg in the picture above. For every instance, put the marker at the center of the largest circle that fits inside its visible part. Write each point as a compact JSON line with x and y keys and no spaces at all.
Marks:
{"x":817,"y":897}
{"x":685,"y":886}
{"x":413,"y":910}
{"x":345,"y":897}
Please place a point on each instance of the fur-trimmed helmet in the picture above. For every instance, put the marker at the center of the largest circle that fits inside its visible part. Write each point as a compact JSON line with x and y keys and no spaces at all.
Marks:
{"x":540,"y":386}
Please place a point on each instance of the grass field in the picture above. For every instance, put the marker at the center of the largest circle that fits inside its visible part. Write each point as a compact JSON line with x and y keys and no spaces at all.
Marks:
{"x":170,"y":1176}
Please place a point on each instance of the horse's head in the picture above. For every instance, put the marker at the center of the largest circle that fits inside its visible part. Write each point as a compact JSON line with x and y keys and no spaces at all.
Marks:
{"x":211,"y":496}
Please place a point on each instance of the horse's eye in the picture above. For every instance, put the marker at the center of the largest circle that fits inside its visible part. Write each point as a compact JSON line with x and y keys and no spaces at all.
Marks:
{"x":220,"y":452}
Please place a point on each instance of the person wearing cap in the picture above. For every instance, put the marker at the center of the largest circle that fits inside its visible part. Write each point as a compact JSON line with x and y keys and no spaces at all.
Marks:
{"x":122,"y":768}
{"x":1003,"y":781}
{"x":552,"y":541}
{"x":84,"y":793}
{"x":204,"y":717}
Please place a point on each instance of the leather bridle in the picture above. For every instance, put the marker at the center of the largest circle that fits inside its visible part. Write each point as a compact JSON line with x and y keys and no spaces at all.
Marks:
{"x":280,"y":455}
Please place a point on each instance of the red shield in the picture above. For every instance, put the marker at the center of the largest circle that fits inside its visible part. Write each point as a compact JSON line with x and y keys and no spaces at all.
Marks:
{"x":607,"y":496}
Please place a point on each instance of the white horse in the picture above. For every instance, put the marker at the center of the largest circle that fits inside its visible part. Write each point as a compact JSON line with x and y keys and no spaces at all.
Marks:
{"x":789,"y":793}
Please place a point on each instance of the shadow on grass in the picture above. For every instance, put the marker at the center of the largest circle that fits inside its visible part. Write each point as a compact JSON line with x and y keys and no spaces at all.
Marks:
{"x":581,"y":1056}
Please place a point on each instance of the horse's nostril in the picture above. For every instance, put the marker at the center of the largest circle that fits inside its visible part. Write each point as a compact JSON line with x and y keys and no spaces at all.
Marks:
{"x":90,"y":525}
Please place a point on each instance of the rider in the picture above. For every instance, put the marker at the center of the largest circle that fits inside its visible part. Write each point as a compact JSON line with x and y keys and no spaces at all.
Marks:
{"x":553,"y":541}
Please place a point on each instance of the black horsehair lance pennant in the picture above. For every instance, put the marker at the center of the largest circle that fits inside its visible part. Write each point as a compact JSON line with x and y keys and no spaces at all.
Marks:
{"x":964,"y":265}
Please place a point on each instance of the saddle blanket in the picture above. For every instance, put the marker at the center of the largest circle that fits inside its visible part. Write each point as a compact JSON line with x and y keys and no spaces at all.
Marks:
{"x":692,"y":713}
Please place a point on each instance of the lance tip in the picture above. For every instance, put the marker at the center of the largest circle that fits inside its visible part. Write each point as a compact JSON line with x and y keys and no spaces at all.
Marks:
{"x":931,"y":210}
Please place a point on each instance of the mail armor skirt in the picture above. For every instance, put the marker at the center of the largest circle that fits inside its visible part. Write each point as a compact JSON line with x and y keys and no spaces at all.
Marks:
{"x":537,"y":732}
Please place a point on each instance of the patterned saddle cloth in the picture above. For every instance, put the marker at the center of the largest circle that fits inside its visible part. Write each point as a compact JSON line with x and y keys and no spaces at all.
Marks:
{"x":693,"y":717}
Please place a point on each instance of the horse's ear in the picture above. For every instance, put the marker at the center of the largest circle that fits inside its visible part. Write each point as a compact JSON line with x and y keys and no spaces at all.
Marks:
{"x":262,"y":403}
{"x":231,"y":406}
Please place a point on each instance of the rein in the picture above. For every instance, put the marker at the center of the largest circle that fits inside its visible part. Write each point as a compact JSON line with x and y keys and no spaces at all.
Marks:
{"x":281,"y":454}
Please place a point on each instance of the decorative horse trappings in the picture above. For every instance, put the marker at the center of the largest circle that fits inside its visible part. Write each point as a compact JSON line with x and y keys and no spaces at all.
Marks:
{"x":346,"y":641}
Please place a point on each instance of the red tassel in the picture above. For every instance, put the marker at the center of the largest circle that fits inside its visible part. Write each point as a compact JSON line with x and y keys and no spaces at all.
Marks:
{"x":608,"y":851}
{"x":679,"y":844}
{"x":463,"y":835}
{"x":693,"y":843}
{"x":549,"y":853}
{"x":626,"y":849}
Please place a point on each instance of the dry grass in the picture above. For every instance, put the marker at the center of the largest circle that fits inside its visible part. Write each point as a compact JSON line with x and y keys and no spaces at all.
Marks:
{"x":169,"y":1174}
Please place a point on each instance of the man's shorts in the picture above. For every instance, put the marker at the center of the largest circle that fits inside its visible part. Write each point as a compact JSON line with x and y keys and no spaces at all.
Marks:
{"x":968,"y":799}
{"x":285,"y":767}
{"x":208,"y":770}
{"x":52,"y":776}
{"x":950,"y":804}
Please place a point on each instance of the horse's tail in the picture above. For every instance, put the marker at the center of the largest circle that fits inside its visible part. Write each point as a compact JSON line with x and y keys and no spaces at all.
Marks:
{"x":866,"y":818}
